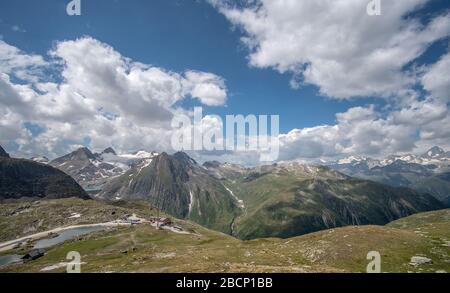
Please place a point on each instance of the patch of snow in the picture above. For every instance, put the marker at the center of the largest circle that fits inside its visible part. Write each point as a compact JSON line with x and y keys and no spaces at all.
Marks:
{"x":41,"y":159}
{"x":95,"y":163}
{"x":145,"y":164}
{"x":349,"y":160}
{"x":139,"y":155}
{"x":239,"y":201}
{"x":191,"y":201}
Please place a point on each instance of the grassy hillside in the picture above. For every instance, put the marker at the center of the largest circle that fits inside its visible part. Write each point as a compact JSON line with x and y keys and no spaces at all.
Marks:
{"x":438,"y":186}
{"x":144,"y":249}
{"x":286,"y":202}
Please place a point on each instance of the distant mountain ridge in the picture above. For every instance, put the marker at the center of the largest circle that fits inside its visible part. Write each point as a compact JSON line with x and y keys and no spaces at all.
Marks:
{"x":435,"y":156}
{"x":422,"y":173}
{"x":436,"y":153}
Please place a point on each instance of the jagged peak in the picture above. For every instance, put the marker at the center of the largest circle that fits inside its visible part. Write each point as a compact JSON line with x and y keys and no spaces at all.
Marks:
{"x":164,"y":155}
{"x":84,"y":150}
{"x":109,"y":150}
{"x":434,"y":152}
{"x":182,"y":156}
{"x":181,"y":159}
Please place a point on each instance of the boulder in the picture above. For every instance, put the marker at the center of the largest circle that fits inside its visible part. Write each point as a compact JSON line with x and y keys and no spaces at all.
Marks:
{"x":420,"y":260}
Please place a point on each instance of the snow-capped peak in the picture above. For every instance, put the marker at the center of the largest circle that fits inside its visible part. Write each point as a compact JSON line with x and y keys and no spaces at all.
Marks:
{"x":434,"y":153}
{"x":351,"y":160}
{"x":140,"y":155}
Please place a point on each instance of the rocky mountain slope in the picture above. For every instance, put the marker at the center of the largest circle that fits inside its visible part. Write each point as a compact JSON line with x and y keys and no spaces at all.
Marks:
{"x":179,"y":186}
{"x":24,"y":178}
{"x":3,"y":153}
{"x":93,"y":170}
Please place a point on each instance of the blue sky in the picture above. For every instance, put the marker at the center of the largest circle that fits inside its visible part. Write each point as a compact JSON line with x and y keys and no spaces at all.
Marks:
{"x":175,"y":35}
{"x":194,"y":35}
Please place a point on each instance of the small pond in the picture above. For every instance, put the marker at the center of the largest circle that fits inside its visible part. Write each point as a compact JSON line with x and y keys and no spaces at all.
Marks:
{"x":9,"y":259}
{"x":66,"y":235}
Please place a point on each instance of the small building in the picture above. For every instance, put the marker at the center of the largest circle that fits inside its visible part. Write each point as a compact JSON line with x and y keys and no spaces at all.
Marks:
{"x":165,"y":221}
{"x":134,"y":220}
{"x":34,"y":254}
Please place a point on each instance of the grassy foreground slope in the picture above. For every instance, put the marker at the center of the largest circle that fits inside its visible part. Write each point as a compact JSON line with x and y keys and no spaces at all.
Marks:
{"x":25,"y":217}
{"x":144,"y":249}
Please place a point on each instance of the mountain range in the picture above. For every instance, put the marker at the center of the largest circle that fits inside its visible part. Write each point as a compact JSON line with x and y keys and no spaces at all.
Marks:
{"x":429,"y":172}
{"x":280,"y":200}
{"x":436,"y":156}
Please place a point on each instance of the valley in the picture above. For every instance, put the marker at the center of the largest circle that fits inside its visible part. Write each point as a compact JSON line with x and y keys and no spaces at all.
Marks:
{"x":291,"y":199}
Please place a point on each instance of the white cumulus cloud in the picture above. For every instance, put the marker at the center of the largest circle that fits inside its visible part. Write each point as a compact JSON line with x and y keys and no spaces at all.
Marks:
{"x":100,"y":96}
{"x":334,"y":44}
